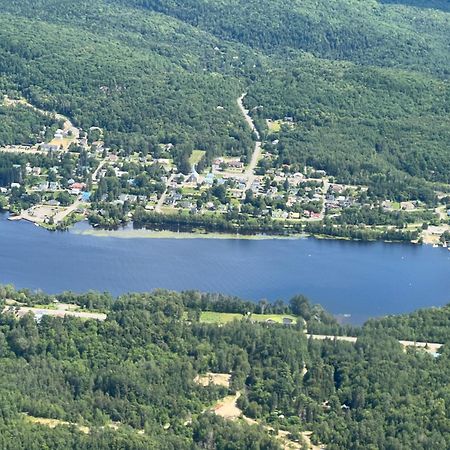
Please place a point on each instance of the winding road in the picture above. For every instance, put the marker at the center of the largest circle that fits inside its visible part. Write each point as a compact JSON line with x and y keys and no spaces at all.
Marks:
{"x":250,"y":171}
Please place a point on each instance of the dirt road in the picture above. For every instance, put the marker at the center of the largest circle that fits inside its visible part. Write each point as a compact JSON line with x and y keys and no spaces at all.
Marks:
{"x":430,"y":347}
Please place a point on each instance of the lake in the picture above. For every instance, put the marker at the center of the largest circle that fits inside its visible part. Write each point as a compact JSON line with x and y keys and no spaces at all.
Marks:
{"x":360,"y":279}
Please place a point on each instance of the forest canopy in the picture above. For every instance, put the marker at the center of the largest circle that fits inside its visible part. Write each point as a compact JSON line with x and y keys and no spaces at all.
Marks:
{"x":365,"y":82}
{"x":129,"y":381}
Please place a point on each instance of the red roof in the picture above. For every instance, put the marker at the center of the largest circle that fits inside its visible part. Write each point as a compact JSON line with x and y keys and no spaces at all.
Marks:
{"x":77,"y":186}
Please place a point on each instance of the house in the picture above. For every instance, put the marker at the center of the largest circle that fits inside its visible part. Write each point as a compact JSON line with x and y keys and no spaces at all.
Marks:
{"x":15,"y":185}
{"x":279,"y":214}
{"x":407,"y":206}
{"x":193,"y":177}
{"x":185,"y":204}
{"x":77,"y":186}
{"x":337,"y":188}
{"x":59,"y":134}
{"x":49,"y":147}
{"x":209,"y":179}
{"x":42,"y":187}
{"x":287,"y":321}
{"x":236,"y":164}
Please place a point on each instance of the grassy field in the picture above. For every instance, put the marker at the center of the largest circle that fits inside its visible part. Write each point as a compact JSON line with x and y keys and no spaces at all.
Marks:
{"x":196,"y":157}
{"x":274,"y":125}
{"x":221,"y":318}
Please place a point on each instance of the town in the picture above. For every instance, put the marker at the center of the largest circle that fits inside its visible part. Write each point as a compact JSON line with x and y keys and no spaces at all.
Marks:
{"x":74,"y":176}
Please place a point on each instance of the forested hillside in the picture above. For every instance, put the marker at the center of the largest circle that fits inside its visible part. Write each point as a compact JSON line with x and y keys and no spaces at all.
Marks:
{"x":365,"y":31}
{"x":130,"y":381}
{"x":365,"y":82}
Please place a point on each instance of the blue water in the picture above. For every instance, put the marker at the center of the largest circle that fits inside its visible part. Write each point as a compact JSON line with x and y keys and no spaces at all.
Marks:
{"x":360,"y":279}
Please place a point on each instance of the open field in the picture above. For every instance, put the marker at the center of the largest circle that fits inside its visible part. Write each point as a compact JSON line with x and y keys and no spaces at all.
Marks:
{"x":429,"y":347}
{"x":217,"y":379}
{"x":274,"y":125}
{"x":196,"y":156}
{"x":53,"y":423}
{"x":227,"y":408}
{"x":221,"y":318}
{"x":54,"y":310}
{"x":63,"y":143}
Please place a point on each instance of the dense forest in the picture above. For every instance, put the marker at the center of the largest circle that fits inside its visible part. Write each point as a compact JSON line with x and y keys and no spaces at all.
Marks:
{"x":22,"y":126}
{"x":128,"y":381}
{"x":365,"y":83}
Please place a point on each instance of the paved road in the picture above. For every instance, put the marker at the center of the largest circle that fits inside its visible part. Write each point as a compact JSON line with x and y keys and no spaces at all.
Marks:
{"x":97,"y":170}
{"x":61,"y":215}
{"x":164,"y":194}
{"x":244,"y":112}
{"x":21,"y":149}
{"x":250,"y":171}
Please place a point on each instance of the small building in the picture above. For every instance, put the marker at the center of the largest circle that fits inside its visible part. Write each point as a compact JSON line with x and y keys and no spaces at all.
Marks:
{"x":77,"y":186}
{"x":209,"y":179}
{"x":236,"y":164}
{"x":193,"y":176}
{"x":49,"y":147}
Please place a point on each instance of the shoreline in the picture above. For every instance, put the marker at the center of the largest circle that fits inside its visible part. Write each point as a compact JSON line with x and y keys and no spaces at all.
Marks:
{"x":142,"y":233}
{"x":167,"y":234}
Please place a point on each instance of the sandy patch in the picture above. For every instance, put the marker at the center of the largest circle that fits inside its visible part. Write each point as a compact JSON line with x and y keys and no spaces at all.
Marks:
{"x":217,"y":379}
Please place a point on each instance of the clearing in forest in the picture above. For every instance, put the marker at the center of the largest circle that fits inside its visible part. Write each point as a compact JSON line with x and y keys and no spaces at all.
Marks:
{"x":222,"y":318}
{"x":196,"y":156}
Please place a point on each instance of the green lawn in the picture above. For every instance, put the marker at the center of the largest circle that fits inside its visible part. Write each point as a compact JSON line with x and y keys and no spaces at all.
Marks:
{"x":221,"y":318}
{"x":196,"y":157}
{"x":274,"y":126}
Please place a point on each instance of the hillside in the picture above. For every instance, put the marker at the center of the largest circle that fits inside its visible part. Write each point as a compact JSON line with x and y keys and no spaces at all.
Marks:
{"x":365,"y":81}
{"x":157,"y":374}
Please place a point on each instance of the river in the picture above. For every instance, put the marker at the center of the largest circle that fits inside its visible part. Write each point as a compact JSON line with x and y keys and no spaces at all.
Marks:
{"x":348,"y":278}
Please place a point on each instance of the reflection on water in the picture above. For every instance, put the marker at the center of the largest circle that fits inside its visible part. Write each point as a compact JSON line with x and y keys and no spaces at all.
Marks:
{"x":347,"y":278}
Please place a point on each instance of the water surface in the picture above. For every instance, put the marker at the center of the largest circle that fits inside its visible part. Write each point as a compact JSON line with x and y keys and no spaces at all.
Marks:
{"x":360,"y":279}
